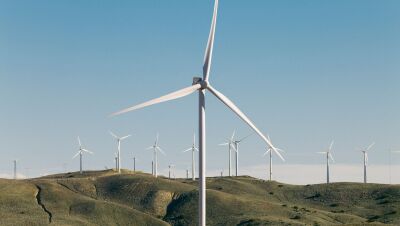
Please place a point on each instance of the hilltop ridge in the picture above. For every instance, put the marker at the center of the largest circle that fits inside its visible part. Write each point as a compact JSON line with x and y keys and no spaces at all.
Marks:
{"x":108,"y":198}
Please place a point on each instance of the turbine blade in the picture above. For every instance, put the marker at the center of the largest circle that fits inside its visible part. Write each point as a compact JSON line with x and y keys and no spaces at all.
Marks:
{"x":112,"y":134}
{"x":396,"y":151}
{"x":162,"y":152}
{"x":151,"y":147}
{"x":370,"y":146}
{"x":233,"y":135}
{"x":321,"y":152}
{"x":280,"y":150}
{"x":174,"y":95}
{"x":76,"y":154}
{"x":366,"y":158}
{"x":279,"y":154}
{"x":223,"y":144}
{"x":210,"y":44}
{"x":265,"y":153}
{"x":187,"y":150}
{"x":241,"y":115}
{"x":196,"y":149}
{"x":123,"y":138}
{"x":244,"y":138}
{"x":87,"y":151}
{"x":331,"y":157}
{"x":79,"y":141}
{"x":233,"y":147}
{"x":330,"y":146}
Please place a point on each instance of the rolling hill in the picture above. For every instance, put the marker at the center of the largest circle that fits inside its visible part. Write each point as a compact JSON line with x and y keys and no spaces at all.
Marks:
{"x":108,"y":198}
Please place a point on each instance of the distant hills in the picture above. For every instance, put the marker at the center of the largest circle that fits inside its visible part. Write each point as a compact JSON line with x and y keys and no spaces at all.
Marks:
{"x":107,"y":198}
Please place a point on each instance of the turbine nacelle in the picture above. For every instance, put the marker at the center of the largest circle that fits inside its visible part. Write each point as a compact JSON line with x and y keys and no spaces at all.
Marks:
{"x":201,"y":82}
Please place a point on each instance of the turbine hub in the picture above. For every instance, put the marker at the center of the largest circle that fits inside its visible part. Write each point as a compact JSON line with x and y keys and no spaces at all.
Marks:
{"x":199,"y":80}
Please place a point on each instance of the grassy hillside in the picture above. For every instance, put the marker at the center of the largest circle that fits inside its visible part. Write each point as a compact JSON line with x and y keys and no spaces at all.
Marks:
{"x":107,"y":198}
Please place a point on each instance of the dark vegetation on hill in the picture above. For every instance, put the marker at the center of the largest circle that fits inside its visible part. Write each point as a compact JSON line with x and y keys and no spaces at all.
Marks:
{"x":107,"y":198}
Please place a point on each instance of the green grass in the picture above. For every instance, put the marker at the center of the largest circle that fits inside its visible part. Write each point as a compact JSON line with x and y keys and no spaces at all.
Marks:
{"x":106,"y":198}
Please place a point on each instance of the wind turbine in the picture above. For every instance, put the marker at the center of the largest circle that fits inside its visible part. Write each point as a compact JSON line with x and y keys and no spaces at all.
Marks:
{"x":193,"y":149}
{"x":236,"y":148}
{"x":156,"y":149}
{"x":171,"y":168}
{"x":328,"y":156}
{"x":80,"y":152}
{"x":201,"y":85}
{"x":116,"y":160}
{"x":119,"y":139}
{"x":231,"y":146}
{"x":269,"y":151}
{"x":365,"y":155}
{"x":15,"y":169}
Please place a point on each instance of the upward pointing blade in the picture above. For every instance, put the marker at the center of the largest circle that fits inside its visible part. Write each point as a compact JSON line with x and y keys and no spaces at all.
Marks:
{"x":370,"y":146}
{"x":112,"y":134}
{"x":210,"y":44}
{"x":174,"y":95}
{"x":241,"y":115}
{"x":330,"y":146}
{"x":79,"y":141}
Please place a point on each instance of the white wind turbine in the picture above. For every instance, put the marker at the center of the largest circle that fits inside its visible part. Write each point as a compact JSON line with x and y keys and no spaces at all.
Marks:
{"x":328,"y":156}
{"x":236,"y":148}
{"x":365,"y":155}
{"x":156,"y":149}
{"x":80,"y":152}
{"x":269,"y":151}
{"x":119,"y":139}
{"x":231,"y":146}
{"x":201,"y":85}
{"x":193,"y":149}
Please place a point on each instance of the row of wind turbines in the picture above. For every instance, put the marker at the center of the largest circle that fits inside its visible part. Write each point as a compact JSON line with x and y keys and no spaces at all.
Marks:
{"x":233,"y":146}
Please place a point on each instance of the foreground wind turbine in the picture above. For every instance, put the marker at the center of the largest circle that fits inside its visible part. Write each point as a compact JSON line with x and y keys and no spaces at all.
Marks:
{"x":269,"y":151}
{"x":193,"y":149}
{"x":328,"y":156}
{"x":236,"y":148}
{"x":156,"y":149}
{"x":201,"y":85}
{"x":80,"y":152}
{"x":119,"y":139}
{"x":365,"y":156}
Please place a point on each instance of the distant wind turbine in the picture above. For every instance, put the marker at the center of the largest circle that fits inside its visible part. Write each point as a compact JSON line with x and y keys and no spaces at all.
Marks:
{"x":365,"y":155}
{"x":156,"y":149}
{"x":193,"y":149}
{"x":201,"y":85}
{"x":80,"y":152}
{"x":236,"y":149}
{"x":119,"y":139}
{"x":231,"y":146}
{"x":269,"y":151}
{"x":328,"y":154}
{"x":15,"y":169}
{"x":171,"y":170}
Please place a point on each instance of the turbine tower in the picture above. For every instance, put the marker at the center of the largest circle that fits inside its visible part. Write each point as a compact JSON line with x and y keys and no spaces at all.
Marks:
{"x":231,"y":146}
{"x":171,"y":170}
{"x":236,"y":148}
{"x":365,"y":156}
{"x":193,"y":149}
{"x":119,"y":139}
{"x":156,"y":149}
{"x":15,"y":169}
{"x":269,"y":151}
{"x":328,"y":156}
{"x":80,"y":152}
{"x":201,"y":85}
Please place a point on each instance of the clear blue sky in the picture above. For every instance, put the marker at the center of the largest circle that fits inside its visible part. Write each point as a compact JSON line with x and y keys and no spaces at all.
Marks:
{"x":305,"y":72}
